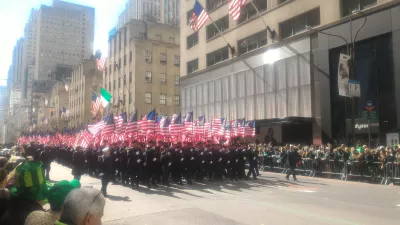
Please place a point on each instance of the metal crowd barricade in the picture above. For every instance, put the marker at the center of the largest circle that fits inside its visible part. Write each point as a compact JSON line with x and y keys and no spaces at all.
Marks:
{"x":306,"y":167}
{"x":366,"y":170}
{"x":392,"y":173}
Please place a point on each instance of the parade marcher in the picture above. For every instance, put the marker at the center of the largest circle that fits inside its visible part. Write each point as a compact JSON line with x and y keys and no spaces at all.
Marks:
{"x":46,"y":157}
{"x":78,"y":163}
{"x":176,"y":164}
{"x":90,"y":160}
{"x":293,"y":157}
{"x":252,"y":155}
{"x":210,"y":163}
{"x":123,"y":163}
{"x":200,"y":162}
{"x":166,"y":161}
{"x":150,"y":159}
{"x":106,"y":169}
{"x":135,"y":162}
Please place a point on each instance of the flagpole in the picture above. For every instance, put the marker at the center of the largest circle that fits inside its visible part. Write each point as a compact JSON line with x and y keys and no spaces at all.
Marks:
{"x":219,"y":31}
{"x":271,"y":32}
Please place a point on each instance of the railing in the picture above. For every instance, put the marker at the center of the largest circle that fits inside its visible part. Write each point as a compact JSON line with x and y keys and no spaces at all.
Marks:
{"x":375,"y":172}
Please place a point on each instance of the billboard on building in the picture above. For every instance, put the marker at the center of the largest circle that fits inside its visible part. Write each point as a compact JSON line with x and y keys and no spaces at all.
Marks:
{"x":343,"y":75}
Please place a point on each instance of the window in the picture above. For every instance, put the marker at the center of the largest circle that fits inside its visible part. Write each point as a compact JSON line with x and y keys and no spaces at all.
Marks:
{"x":124,"y":60}
{"x":142,"y":35}
{"x":177,"y":80}
{"x":348,"y":6}
{"x":125,"y":37}
{"x":123,"y":99}
{"x":163,"y":58}
{"x":252,"y":42}
{"x":119,"y":40}
{"x":109,"y":86}
{"x":163,"y":99}
{"x":222,"y":24}
{"x":114,"y":85}
{"x":119,"y":82}
{"x":171,"y":40}
{"x":281,"y":1}
{"x":212,"y":4}
{"x":177,"y":60}
{"x":298,"y":24}
{"x":158,"y":37}
{"x":105,"y":71}
{"x":148,"y":56}
{"x":130,"y":77}
{"x":192,"y":40}
{"x":147,"y":77}
{"x":189,"y":16}
{"x":247,"y":12}
{"x":130,"y":56}
{"x":110,"y":69}
{"x":124,"y":79}
{"x":119,"y":63}
{"x":163,"y":78}
{"x":147,"y":97}
{"x":217,"y":56}
{"x":192,"y":66}
{"x":130,"y":97}
{"x":177,"y":100}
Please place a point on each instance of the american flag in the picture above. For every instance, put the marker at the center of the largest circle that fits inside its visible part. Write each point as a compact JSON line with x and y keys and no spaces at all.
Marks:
{"x":164,"y":126}
{"x":108,"y":128}
{"x":132,"y":126}
{"x":234,"y":8}
{"x":96,"y":128}
{"x":217,"y":126}
{"x":175,"y":127}
{"x":148,"y":123}
{"x":100,"y":63}
{"x":189,"y":122}
{"x":199,"y":17}
{"x":120,"y":123}
{"x":208,"y":129}
{"x":250,"y":129}
{"x":199,"y":126}
{"x":96,"y":104}
{"x":85,"y":139}
{"x":228,"y":130}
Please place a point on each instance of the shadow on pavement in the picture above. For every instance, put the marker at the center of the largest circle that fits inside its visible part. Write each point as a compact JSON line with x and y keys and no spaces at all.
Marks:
{"x":118,"y":198}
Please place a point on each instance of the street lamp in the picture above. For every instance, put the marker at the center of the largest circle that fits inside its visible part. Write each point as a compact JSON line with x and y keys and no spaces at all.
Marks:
{"x":350,"y":51}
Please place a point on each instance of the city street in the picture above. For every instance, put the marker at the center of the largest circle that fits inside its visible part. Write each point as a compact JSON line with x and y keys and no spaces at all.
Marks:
{"x":269,"y":200}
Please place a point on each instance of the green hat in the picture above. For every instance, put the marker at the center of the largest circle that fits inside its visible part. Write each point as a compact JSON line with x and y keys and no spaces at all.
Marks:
{"x":59,"y":191}
{"x":30,"y":182}
{"x":360,"y":149}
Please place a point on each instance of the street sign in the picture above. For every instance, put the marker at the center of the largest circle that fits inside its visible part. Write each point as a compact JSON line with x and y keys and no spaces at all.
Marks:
{"x":369,"y":106}
{"x":354,"y":88}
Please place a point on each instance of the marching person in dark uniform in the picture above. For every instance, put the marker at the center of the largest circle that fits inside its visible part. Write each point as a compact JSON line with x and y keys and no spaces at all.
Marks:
{"x":220,"y":162}
{"x":106,"y":169}
{"x":188,"y":162}
{"x":135,"y":164}
{"x":31,"y":149}
{"x":200,"y":162}
{"x":253,"y":158}
{"x":176,"y":164}
{"x":46,"y":158}
{"x":166,"y":161}
{"x":293,"y":157}
{"x":210,"y":163}
{"x":90,"y":160}
{"x":231,"y":163}
{"x":114,"y":156}
{"x":78,"y":163}
{"x":123,"y":163}
{"x":157,"y":165}
{"x":149,"y":163}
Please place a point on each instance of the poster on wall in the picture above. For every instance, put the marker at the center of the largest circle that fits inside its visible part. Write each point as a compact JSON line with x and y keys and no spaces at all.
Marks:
{"x":270,"y":134}
{"x":392,"y":139}
{"x":343,"y":75}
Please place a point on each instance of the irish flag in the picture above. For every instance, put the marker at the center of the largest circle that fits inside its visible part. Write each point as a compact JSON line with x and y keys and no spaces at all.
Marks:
{"x":105,"y":97}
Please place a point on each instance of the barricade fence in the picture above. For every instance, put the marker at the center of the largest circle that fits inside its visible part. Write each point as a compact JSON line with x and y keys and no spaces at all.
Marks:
{"x":375,"y":172}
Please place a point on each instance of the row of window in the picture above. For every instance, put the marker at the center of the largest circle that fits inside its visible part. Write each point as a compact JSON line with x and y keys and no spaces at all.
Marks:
{"x":148,"y":58}
{"x":163,"y":99}
{"x":148,"y":79}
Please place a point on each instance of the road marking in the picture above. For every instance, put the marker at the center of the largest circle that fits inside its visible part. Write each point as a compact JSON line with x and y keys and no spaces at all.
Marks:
{"x":307,"y":191}
{"x":398,"y":205}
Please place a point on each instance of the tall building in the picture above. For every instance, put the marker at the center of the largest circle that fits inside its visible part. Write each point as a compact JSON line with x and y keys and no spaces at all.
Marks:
{"x":143,"y":68}
{"x":17,"y":69}
{"x":160,"y":11}
{"x":57,"y":38}
{"x":286,"y":78}
{"x":86,"y":79}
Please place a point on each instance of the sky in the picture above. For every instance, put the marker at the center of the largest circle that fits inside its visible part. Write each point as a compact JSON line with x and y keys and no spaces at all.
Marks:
{"x":15,"y":13}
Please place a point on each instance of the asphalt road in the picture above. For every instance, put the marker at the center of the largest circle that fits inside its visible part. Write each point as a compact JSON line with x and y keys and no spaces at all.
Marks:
{"x":269,"y":200}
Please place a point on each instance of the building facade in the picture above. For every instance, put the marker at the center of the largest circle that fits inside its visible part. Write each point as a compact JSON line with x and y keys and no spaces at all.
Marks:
{"x":159,"y":11}
{"x":142,"y":70}
{"x":17,"y":68}
{"x":284,"y":77}
{"x":86,"y":79}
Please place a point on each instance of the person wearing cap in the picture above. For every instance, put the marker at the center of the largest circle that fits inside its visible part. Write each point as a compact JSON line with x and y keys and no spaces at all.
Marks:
{"x":82,"y":206}
{"x":78,"y":163}
{"x":135,"y":163}
{"x":106,"y":169}
{"x":56,"y":198}
{"x":149,"y":163}
{"x":27,"y":195}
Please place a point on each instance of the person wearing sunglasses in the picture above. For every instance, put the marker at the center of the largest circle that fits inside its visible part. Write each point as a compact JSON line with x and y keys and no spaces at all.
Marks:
{"x":83,"y":206}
